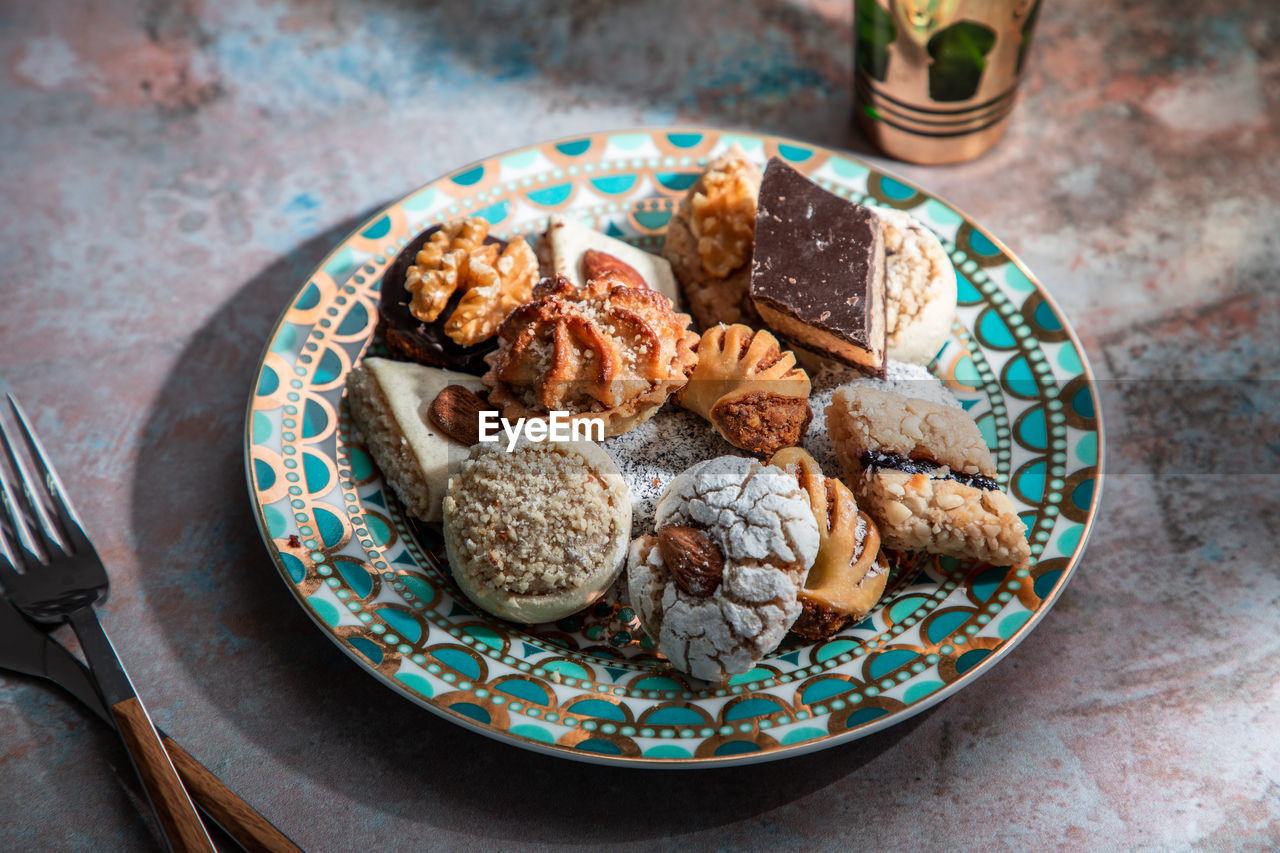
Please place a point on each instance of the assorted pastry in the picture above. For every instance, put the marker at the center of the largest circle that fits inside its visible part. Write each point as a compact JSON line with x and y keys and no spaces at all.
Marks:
{"x":926,"y":474}
{"x":708,"y":483}
{"x":718,"y":582}
{"x":537,"y":533}
{"x":710,"y":239}
{"x":817,"y":275}
{"x":392,"y":401}
{"x":608,"y":350}
{"x":749,"y":389}
{"x":850,"y":572}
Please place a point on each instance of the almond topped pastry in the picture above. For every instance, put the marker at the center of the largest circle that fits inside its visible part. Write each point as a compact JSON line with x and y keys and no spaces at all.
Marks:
{"x":749,"y":389}
{"x":580,"y":253}
{"x":605,"y":350}
{"x":716,"y":583}
{"x":849,"y":575}
{"x":394,"y":403}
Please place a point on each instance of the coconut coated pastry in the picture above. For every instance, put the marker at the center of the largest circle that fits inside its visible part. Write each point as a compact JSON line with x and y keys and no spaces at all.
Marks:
{"x":717,"y":585}
{"x":539,"y":533}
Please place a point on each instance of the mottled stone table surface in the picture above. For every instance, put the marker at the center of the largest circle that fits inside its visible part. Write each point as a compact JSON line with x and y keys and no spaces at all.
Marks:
{"x":171,"y":172}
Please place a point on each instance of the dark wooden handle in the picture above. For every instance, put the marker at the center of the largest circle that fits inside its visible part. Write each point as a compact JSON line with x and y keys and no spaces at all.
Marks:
{"x":169,"y":800}
{"x":251,"y":830}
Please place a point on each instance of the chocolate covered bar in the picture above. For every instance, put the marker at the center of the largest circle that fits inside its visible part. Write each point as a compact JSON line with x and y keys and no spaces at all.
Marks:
{"x":817,"y":274}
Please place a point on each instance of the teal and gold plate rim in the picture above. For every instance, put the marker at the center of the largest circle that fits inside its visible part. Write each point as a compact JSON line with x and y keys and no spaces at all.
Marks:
{"x":590,"y":687}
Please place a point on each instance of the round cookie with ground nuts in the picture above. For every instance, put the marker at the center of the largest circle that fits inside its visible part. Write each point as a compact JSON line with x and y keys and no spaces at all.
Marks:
{"x":919,"y":288}
{"x":539,"y":533}
{"x":717,"y":584}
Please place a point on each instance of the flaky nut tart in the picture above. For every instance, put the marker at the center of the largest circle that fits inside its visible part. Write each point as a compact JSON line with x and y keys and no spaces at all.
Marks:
{"x":605,"y":350}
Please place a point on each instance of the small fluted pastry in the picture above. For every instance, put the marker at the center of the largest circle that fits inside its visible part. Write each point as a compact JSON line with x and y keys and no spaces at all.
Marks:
{"x":605,"y":350}
{"x":749,"y":388}
{"x":849,"y":575}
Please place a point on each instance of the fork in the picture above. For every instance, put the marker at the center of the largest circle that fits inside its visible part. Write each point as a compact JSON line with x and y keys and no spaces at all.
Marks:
{"x":52,"y":573}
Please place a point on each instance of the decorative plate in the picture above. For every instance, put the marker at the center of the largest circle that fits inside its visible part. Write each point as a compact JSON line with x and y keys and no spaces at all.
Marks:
{"x":590,"y":687}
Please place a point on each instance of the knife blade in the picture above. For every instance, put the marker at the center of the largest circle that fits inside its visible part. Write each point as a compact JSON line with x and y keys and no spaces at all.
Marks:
{"x":26,"y":649}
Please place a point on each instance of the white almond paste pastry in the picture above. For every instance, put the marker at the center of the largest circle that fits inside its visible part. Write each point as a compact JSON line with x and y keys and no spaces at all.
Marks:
{"x":568,"y":243}
{"x":389,"y":402}
{"x":717,"y":586}
{"x":925,"y":476}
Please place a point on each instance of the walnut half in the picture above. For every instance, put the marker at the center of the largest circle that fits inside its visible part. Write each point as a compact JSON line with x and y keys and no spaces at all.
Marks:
{"x":723,"y":212}
{"x":491,"y":278}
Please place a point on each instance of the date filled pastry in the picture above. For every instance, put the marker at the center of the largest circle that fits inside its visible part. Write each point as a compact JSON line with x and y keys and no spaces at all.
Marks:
{"x":749,"y":388}
{"x":924,"y":473}
{"x":538,"y":533}
{"x":445,"y":295}
{"x":710,"y":239}
{"x":850,"y":572}
{"x":605,"y":350}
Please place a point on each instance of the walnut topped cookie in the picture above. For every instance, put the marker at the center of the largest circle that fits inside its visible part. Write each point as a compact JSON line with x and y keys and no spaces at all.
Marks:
{"x":717,"y":585}
{"x":606,"y":350}
{"x":710,"y":239}
{"x":444,"y":295}
{"x":538,"y":533}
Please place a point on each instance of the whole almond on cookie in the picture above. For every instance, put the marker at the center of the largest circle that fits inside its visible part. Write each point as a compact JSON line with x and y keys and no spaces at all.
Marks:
{"x":599,"y":264}
{"x":456,"y":412}
{"x":695,"y":562}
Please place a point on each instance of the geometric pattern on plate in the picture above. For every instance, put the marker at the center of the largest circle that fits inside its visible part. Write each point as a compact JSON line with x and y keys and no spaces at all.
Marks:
{"x":587,"y":687}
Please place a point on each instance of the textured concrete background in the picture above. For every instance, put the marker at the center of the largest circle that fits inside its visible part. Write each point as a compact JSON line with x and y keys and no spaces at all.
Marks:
{"x":170,"y":173}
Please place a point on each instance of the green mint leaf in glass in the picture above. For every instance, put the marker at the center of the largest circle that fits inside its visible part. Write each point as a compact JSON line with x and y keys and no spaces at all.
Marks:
{"x":959,"y":58}
{"x":875,"y":32}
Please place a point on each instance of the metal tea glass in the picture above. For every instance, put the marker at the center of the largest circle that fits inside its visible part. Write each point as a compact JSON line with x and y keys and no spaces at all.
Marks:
{"x":935,"y":80}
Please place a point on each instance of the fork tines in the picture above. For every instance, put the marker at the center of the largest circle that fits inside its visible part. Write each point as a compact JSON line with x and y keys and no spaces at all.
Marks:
{"x":27,"y":515}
